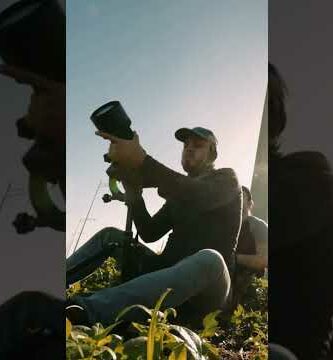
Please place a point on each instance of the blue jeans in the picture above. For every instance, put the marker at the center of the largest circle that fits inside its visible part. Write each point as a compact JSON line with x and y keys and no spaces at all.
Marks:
{"x":201,"y":279}
{"x":105,"y":243}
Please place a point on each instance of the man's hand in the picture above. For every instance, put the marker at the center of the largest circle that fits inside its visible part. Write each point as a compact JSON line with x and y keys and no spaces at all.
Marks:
{"x":127,"y":154}
{"x":47,"y":110}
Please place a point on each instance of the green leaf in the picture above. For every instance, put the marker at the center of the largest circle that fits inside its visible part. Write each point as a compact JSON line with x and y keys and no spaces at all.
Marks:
{"x":192,"y":341}
{"x":152,"y":327}
{"x":136,"y":348}
{"x":168,"y":312}
{"x":142,"y":329}
{"x":104,"y":332}
{"x":127,"y":309}
{"x":210,"y":350}
{"x":68,"y":328}
{"x":210,"y":324}
{"x":179,"y":353}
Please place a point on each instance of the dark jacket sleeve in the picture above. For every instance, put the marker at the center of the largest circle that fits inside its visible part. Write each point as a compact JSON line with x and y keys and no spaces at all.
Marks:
{"x":205,"y":193}
{"x":150,"y":228}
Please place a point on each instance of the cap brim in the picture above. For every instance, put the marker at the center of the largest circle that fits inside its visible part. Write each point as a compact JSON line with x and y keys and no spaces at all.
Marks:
{"x":184,"y":133}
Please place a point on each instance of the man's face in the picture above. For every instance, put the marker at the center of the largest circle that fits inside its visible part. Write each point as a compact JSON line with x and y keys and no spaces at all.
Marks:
{"x":196,"y":154}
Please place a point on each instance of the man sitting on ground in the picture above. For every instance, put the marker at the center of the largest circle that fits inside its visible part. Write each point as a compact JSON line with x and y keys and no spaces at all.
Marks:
{"x":203,"y":210}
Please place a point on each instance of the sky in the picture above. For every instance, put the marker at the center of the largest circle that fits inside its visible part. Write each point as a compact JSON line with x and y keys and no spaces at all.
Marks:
{"x":171,"y":64}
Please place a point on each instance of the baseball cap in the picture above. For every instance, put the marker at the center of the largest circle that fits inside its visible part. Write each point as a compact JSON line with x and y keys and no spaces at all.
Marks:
{"x":184,"y":133}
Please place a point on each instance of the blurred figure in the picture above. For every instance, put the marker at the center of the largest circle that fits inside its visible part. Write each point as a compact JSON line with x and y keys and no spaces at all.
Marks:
{"x":46,"y":116}
{"x":33,"y":322}
{"x":252,"y":249}
{"x":32,"y":48}
{"x":301,"y":246}
{"x":30,"y":322}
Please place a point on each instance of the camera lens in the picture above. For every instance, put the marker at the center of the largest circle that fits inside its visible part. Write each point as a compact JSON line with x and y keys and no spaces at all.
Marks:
{"x":112,"y":118}
{"x":104,"y":109}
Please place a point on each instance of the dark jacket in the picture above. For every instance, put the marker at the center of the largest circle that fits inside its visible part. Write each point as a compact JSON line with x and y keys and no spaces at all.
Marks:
{"x":202,"y":212}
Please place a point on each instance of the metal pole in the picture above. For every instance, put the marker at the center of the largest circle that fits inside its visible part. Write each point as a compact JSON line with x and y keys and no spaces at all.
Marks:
{"x":129,"y":220}
{"x":74,"y":234}
{"x":73,"y":237}
{"x":85,"y":220}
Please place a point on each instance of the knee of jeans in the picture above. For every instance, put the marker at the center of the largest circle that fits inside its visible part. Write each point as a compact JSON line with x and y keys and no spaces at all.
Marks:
{"x":110,"y":235}
{"x":213,"y":261}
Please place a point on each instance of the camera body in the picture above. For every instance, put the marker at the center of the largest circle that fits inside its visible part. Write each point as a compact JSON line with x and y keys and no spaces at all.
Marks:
{"x":111,"y":118}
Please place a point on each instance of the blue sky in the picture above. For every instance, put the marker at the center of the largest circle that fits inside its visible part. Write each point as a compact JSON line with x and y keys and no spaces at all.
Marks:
{"x":171,"y":64}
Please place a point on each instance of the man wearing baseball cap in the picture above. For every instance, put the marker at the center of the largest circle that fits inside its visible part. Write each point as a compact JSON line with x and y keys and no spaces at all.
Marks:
{"x":203,"y":210}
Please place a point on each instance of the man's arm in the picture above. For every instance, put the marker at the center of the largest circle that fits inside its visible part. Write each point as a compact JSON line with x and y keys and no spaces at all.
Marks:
{"x":149,"y":228}
{"x":202,"y":193}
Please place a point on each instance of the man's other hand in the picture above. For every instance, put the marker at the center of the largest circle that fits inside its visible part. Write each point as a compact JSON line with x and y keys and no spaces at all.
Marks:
{"x":128,"y":154}
{"x":130,"y":179}
{"x":47,"y":110}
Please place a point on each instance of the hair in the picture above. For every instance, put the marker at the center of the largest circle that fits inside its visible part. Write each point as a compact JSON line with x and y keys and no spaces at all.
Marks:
{"x":277,"y":93}
{"x":246,"y":191}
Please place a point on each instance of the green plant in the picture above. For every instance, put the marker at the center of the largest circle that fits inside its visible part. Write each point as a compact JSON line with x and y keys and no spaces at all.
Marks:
{"x":241,"y":336}
{"x":246,"y":331}
{"x":158,"y":339}
{"x":106,"y":275}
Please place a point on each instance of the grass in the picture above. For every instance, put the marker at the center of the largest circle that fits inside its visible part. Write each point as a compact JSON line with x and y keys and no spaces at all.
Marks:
{"x":241,"y":336}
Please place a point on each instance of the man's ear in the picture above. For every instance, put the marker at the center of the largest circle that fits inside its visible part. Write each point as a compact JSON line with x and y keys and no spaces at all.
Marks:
{"x":212,"y":154}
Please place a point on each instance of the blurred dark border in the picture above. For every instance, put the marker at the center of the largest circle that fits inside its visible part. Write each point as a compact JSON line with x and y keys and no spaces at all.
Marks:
{"x":33,"y":261}
{"x":301,"y":186}
{"x":30,"y":264}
